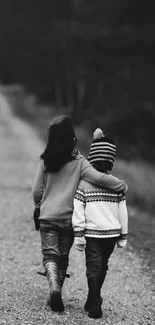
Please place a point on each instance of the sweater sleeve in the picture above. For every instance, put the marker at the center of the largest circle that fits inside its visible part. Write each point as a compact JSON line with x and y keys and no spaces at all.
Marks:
{"x":38,"y":184}
{"x":90,"y":174}
{"x":123,"y":218}
{"x":78,"y":218}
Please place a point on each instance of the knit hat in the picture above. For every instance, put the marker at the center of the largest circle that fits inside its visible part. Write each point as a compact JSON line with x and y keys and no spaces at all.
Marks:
{"x":102,"y":148}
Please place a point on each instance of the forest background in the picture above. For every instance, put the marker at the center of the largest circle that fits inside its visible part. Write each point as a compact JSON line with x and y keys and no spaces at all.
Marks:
{"x":94,"y":58}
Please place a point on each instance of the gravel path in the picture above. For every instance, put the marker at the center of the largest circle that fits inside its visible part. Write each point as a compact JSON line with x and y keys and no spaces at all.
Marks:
{"x":128,"y":292}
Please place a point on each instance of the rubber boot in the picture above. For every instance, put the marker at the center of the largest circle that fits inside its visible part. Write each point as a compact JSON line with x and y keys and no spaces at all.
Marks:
{"x":88,"y":302}
{"x":95,"y":309}
{"x":55,"y":299}
{"x":87,"y":305}
{"x":100,"y":281}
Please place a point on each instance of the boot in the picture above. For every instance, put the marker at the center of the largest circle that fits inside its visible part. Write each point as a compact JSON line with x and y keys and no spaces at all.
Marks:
{"x":100,"y":281}
{"x":87,"y":305}
{"x":89,"y":298}
{"x":95,"y":309}
{"x":55,"y":299}
{"x":45,"y":274}
{"x":88,"y":302}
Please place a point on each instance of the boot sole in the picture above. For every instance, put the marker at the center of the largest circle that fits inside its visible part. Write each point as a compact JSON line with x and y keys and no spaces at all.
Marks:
{"x":55,"y":301}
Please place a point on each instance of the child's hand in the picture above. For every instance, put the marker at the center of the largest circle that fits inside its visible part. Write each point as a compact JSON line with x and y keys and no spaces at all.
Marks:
{"x":80,"y":243}
{"x":121,"y":243}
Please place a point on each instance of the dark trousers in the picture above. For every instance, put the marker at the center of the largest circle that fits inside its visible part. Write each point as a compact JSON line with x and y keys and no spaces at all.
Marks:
{"x":56,"y":243}
{"x":98,"y":252}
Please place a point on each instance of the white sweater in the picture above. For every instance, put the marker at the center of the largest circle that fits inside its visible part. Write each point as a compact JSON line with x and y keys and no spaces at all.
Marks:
{"x":99,"y":213}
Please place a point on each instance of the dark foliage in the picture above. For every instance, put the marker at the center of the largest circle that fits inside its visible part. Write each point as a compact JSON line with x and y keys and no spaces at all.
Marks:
{"x":97,"y":57}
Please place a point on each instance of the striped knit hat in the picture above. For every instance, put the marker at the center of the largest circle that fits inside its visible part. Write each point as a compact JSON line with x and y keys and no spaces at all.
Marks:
{"x":102,"y":148}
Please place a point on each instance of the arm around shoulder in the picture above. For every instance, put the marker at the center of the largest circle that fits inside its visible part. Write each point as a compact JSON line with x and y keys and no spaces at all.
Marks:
{"x":90,"y":174}
{"x":115,"y":183}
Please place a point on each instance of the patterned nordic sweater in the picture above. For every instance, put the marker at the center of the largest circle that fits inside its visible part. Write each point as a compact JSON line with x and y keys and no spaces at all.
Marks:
{"x":99,"y":213}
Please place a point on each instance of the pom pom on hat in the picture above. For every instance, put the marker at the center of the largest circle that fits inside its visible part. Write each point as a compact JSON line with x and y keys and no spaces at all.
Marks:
{"x":102,"y":148}
{"x":98,"y":134}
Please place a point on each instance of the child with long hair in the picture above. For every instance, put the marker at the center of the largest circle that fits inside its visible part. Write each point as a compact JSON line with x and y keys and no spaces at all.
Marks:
{"x":100,"y":220}
{"x":60,"y":169}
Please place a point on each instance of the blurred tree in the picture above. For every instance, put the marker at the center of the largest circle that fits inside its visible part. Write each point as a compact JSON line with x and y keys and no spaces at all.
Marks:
{"x":93,"y":56}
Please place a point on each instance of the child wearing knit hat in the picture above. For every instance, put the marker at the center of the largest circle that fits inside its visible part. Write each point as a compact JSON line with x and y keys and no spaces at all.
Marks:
{"x":100,"y":220}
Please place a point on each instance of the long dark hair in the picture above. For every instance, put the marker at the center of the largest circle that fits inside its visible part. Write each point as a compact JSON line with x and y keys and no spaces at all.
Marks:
{"x":60,"y":144}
